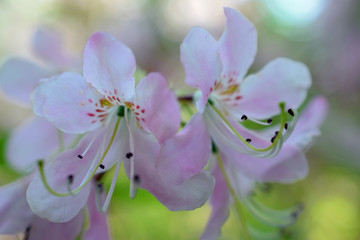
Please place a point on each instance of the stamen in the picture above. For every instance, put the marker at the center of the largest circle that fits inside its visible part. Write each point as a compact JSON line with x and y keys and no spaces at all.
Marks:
{"x":286,"y":126}
{"x":102,"y":166}
{"x":267,"y":123}
{"x":27,"y":233}
{"x":88,"y":176}
{"x":290,"y":111}
{"x":130,"y":156}
{"x":213,"y":147}
{"x":248,"y":140}
{"x":274,"y":141}
{"x":87,"y":148}
{"x":137,"y":178}
{"x":100,"y":187}
{"x":272,"y":217}
{"x":70,"y":180}
{"x":112,"y":187}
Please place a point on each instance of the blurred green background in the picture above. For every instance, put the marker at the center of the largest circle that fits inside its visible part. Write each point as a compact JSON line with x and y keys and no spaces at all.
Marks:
{"x":324,"y":34}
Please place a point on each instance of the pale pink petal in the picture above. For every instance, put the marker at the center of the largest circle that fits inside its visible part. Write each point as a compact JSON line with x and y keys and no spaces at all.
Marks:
{"x":309,"y":122}
{"x":70,"y":103}
{"x":109,"y":66}
{"x":219,"y":201}
{"x":48,"y":45}
{"x":189,"y":195}
{"x":15,"y":212}
{"x":237,"y":45}
{"x":98,"y":228}
{"x":156,"y":107}
{"x":288,"y":166}
{"x":185,"y":154}
{"x":42,"y":202}
{"x":35,"y":139}
{"x":18,"y":77}
{"x":200,"y":58}
{"x":42,"y":229}
{"x":281,"y":80}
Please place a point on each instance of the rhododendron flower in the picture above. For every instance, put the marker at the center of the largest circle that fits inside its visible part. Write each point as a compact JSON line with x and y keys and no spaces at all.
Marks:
{"x":105,"y":104}
{"x":35,"y":138}
{"x":217,"y":69}
{"x":17,"y":217}
{"x":233,"y":182}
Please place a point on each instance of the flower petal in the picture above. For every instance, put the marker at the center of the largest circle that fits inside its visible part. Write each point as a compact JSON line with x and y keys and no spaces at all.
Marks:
{"x":15,"y":212}
{"x":42,"y":202}
{"x":48,"y":45}
{"x":42,"y":229}
{"x":156,"y":107}
{"x":219,"y":200}
{"x":189,"y":195}
{"x":35,"y":139}
{"x":18,"y":77}
{"x":309,"y":122}
{"x":185,"y":154}
{"x":281,"y":80}
{"x":109,"y":66}
{"x":237,"y":45}
{"x":288,"y":166}
{"x":69,"y":102}
{"x":200,"y":58}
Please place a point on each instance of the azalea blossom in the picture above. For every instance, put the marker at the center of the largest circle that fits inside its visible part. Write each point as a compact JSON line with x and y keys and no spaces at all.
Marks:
{"x":235,"y":181}
{"x":35,"y":138}
{"x":105,"y":105}
{"x":226,"y":98}
{"x":217,"y":69}
{"x":17,"y":217}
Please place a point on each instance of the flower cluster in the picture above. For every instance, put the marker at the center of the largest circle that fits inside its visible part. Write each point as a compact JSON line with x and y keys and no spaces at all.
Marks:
{"x":87,"y":124}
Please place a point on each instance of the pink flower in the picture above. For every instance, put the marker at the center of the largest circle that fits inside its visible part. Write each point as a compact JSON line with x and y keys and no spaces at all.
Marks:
{"x":226,"y":98}
{"x":217,"y":69}
{"x":122,"y":123}
{"x":35,"y":138}
{"x":17,"y":217}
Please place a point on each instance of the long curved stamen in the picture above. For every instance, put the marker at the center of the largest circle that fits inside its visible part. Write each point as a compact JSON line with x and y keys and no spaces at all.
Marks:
{"x":272,"y":217}
{"x":103,"y":156}
{"x":275,"y":140}
{"x":47,"y":186}
{"x":245,"y":117}
{"x":131,"y":158}
{"x":238,"y":205}
{"x":111,"y":191}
